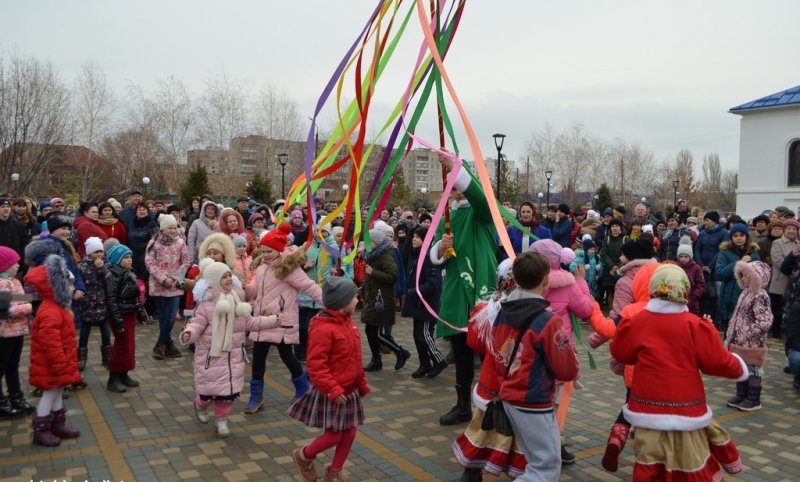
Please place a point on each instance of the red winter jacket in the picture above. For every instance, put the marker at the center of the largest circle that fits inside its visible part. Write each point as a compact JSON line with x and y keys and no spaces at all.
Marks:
{"x":545,"y":352}
{"x":334,"y":355}
{"x":54,"y":351}
{"x":86,"y":228}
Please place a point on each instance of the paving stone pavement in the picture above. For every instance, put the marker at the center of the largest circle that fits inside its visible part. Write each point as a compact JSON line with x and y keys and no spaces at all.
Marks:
{"x":149,"y":433}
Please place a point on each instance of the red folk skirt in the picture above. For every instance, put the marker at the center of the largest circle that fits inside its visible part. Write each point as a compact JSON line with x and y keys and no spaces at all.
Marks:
{"x":123,"y":353}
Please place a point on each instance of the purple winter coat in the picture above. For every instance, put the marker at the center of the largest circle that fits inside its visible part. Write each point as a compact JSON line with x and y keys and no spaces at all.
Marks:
{"x":695,"y":274}
{"x":221,"y":376}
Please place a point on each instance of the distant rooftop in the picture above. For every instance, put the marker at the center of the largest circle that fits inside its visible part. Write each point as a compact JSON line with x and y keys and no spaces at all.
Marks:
{"x":784,"y":98}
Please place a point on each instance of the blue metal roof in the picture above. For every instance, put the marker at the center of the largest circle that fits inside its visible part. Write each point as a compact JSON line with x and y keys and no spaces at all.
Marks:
{"x":780,"y":99}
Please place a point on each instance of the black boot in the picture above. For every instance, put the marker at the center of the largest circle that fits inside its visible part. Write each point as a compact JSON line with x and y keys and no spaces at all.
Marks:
{"x":741,"y":395}
{"x":753,"y":400}
{"x":128,"y":381}
{"x":462,"y":411}
{"x":402,"y":357}
{"x":566,"y":456}
{"x":471,"y":475}
{"x":105,"y":354}
{"x":82,"y":354}
{"x":374,"y":365}
{"x":18,"y":401}
{"x":7,"y":412}
{"x":115,"y":383}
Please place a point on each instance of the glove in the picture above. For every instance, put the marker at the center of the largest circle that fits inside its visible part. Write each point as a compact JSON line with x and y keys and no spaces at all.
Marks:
{"x":616,"y":367}
{"x":595,"y":340}
{"x":119,"y":327}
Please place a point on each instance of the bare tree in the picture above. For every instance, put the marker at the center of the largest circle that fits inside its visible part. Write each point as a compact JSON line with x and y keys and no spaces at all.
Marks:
{"x":222,"y":111}
{"x":175,"y":122}
{"x":712,"y":173}
{"x":276,"y":115}
{"x":33,"y":114}
{"x":92,"y":105}
{"x":728,"y":186}
{"x":542,"y":149}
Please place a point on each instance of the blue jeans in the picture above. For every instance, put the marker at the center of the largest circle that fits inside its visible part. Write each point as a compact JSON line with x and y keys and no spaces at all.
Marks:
{"x":86,"y":330}
{"x":167,"y":307}
{"x":794,"y":364}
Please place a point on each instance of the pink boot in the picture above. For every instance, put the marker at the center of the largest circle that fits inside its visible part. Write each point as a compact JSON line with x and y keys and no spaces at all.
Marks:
{"x":616,"y":442}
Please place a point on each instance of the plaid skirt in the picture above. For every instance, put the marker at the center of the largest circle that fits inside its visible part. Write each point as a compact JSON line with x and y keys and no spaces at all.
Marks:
{"x":488,"y":451}
{"x":315,"y":410}
{"x":699,"y":455}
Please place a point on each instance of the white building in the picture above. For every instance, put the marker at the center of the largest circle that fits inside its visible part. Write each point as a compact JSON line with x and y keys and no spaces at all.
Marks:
{"x":769,"y":153}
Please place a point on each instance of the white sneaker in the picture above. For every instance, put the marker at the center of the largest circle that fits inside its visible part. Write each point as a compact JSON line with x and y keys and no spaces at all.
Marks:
{"x":222,"y":428}
{"x":201,"y":413}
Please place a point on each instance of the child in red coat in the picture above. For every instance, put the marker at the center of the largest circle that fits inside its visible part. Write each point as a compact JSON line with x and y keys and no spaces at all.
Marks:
{"x":54,"y":350}
{"x":336,"y":373}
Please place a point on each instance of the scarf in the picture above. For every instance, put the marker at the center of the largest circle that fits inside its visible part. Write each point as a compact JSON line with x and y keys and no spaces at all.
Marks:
{"x":166,"y":240}
{"x":222,"y":323}
{"x":108,"y":221}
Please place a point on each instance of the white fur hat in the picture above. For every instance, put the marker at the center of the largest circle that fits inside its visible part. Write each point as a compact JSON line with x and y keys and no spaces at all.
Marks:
{"x":93,"y":244}
{"x":214,"y":272}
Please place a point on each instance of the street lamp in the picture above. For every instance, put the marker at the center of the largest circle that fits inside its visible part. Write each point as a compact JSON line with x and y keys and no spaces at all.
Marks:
{"x":283,"y":159}
{"x":675,"y":184}
{"x":146,"y":182}
{"x":540,"y":201}
{"x":15,"y":180}
{"x":594,"y":201}
{"x":499,"y":139}
{"x":548,"y":174}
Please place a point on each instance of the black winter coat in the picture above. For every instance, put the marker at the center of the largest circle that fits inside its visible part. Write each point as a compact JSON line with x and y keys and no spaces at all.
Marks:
{"x":430,"y":285}
{"x":381,"y":280}
{"x":93,"y":307}
{"x":122,"y":294}
{"x":140,"y":233}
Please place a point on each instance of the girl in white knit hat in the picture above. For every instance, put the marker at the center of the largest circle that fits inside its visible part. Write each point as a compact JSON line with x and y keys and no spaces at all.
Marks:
{"x":218,"y":331}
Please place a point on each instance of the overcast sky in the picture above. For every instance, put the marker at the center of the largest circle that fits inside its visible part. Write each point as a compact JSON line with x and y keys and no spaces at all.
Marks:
{"x":662,"y":74}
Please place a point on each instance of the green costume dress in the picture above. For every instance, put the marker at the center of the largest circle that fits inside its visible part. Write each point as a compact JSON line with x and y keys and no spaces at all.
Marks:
{"x":470,"y":276}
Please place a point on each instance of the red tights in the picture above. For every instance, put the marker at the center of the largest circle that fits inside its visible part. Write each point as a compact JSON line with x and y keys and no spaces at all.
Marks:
{"x":342,"y":440}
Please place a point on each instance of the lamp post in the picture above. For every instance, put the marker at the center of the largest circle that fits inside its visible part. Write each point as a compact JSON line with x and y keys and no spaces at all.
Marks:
{"x":548,"y":174}
{"x":15,"y":180}
{"x":675,"y":184}
{"x":595,"y":198}
{"x":283,"y":159}
{"x":146,"y":182}
{"x":540,"y":201}
{"x":499,"y":139}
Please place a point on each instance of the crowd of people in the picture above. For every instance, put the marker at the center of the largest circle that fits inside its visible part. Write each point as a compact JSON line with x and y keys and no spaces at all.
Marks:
{"x":244,"y":278}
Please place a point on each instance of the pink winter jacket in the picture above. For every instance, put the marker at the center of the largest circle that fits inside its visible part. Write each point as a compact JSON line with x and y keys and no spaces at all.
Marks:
{"x":221,"y":376}
{"x":623,"y":292}
{"x":164,"y":262}
{"x":568,"y":295}
{"x":271,"y":293}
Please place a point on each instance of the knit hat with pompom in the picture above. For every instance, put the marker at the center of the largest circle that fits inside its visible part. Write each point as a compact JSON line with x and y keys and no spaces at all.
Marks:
{"x":278,"y":238}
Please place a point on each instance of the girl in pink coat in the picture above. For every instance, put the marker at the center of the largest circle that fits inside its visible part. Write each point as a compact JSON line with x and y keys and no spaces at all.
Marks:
{"x":567,"y":295}
{"x":218,"y":331}
{"x":276,"y":283}
{"x":167,"y":259}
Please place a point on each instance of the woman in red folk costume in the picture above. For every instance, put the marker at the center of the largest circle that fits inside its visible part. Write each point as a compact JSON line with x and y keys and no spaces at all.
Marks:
{"x":479,"y":450}
{"x":676,"y":437}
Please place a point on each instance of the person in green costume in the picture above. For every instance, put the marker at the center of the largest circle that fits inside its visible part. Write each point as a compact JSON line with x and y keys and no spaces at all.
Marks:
{"x":469,"y":277}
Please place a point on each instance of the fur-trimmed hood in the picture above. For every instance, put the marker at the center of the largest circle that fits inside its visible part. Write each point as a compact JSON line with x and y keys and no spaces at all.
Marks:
{"x":52,"y":280}
{"x":752,"y":277}
{"x":37,"y":251}
{"x":728,"y":245}
{"x":222,"y":226}
{"x":289,"y":261}
{"x":381,"y":249}
{"x":228,"y":249}
{"x":635,"y":263}
{"x":202,"y":214}
{"x":560,"y":278}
